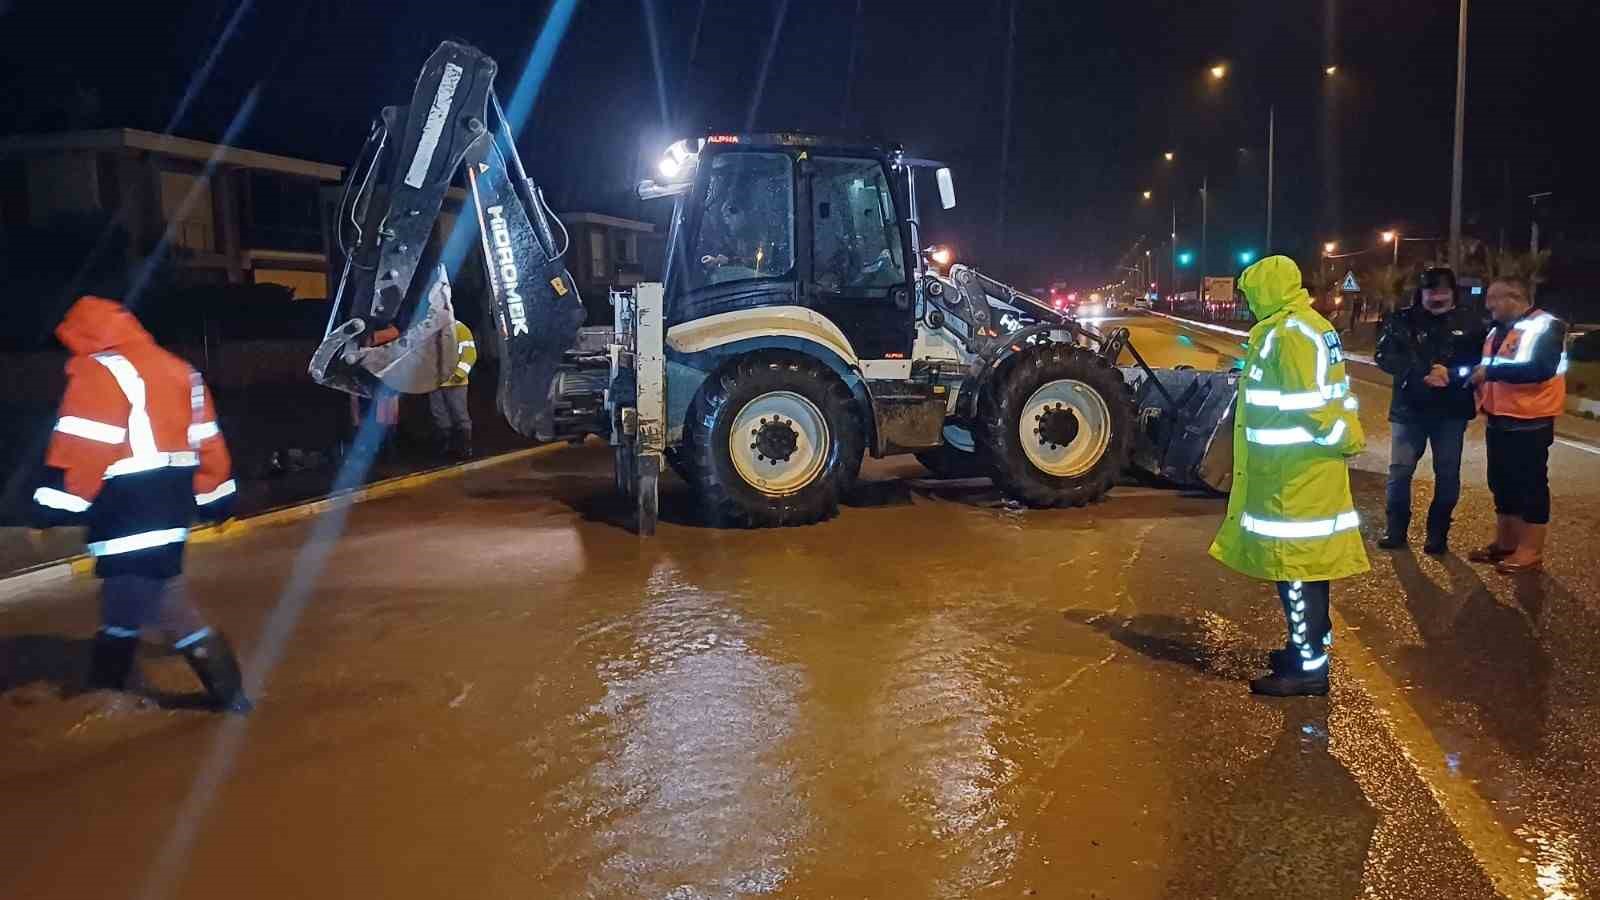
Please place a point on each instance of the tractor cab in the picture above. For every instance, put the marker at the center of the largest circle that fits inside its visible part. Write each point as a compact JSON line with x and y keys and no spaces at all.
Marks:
{"x":787,"y":220}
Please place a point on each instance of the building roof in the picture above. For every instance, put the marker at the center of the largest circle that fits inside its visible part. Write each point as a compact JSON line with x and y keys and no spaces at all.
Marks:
{"x":167,"y":145}
{"x":588,"y":218}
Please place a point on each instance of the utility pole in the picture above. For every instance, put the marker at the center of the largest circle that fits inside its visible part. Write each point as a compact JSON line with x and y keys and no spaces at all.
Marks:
{"x":1174,"y":286}
{"x":1272,"y":152}
{"x":1461,"y":118}
{"x":1533,"y":242}
{"x":1205,"y":212}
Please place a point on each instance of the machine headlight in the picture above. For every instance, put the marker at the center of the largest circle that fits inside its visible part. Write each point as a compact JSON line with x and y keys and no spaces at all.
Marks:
{"x":680,"y":159}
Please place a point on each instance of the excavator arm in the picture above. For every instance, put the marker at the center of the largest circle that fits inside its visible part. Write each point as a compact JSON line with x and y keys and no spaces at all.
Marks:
{"x":392,"y":317}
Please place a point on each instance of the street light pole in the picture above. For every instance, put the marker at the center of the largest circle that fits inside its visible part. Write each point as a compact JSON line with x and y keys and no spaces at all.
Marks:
{"x":1461,"y":117}
{"x":1205,"y":204}
{"x":1272,"y":150}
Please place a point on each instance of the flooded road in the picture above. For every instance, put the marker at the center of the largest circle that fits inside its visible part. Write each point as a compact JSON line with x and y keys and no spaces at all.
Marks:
{"x":494,"y":690}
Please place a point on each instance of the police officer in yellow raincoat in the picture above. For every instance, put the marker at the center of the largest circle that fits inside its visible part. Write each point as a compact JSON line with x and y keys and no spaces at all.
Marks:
{"x":1291,"y":519}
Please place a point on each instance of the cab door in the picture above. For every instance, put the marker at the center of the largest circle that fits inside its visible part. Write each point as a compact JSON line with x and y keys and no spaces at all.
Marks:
{"x":858,"y":272}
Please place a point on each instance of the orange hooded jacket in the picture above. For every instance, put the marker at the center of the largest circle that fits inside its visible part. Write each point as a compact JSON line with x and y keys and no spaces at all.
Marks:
{"x":136,"y":451}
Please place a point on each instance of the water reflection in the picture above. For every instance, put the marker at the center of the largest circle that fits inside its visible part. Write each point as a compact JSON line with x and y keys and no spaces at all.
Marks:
{"x":687,"y":791}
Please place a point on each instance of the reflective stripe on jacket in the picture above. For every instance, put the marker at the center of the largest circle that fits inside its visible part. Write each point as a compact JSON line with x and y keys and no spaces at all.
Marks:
{"x":1290,"y":513}
{"x":136,"y":452}
{"x":1525,"y":368}
{"x":466,"y":356}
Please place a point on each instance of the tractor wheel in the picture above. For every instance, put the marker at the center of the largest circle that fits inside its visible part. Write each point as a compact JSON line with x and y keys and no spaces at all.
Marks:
{"x":957,"y":457}
{"x":776,"y":441}
{"x":1058,"y":425}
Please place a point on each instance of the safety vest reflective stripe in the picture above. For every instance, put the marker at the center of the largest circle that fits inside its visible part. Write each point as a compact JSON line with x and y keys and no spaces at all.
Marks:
{"x":142,"y":541}
{"x":141,"y":437}
{"x":58,"y":499}
{"x":225,"y":489}
{"x":468,"y":344}
{"x":1311,"y":528}
{"x":104,"y":432}
{"x":118,"y":631}
{"x":135,"y":464}
{"x":463,"y":368}
{"x":202,"y":432}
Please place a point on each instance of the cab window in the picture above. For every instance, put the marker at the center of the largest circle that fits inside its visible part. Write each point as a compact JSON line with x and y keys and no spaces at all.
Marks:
{"x":747,"y":221}
{"x":856,"y":234}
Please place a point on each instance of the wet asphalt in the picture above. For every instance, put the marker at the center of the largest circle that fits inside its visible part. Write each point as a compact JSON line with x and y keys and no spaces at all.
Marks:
{"x":490,"y":688}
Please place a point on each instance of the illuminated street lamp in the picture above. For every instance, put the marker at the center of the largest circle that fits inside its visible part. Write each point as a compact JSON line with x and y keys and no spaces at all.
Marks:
{"x":1329,"y":247}
{"x":1393,"y":237}
{"x":1170,"y":155}
{"x":1246,"y":257}
{"x":1331,"y":71}
{"x":1218,"y":71}
{"x":1147,"y":195}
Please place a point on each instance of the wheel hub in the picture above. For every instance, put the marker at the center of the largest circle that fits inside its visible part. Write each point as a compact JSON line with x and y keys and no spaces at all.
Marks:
{"x":1064,"y":428}
{"x":774,"y":440}
{"x":779,"y":443}
{"x":1057,"y":426}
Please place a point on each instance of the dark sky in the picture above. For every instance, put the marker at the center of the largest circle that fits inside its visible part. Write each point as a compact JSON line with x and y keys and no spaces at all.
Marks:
{"x":1101,"y":89}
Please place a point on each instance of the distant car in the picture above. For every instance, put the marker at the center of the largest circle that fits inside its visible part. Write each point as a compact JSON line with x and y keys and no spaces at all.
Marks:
{"x":1143,"y":303}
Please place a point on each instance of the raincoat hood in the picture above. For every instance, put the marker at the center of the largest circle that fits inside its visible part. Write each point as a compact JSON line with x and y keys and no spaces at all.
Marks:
{"x":1272,"y":284}
{"x":95,"y":324}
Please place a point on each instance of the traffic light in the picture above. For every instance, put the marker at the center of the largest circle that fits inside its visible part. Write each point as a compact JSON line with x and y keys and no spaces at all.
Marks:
{"x":1185,"y":258}
{"x":1246,"y":257}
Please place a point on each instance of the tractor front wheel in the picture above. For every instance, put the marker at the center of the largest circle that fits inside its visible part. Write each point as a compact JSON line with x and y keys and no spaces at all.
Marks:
{"x":1057,"y":426}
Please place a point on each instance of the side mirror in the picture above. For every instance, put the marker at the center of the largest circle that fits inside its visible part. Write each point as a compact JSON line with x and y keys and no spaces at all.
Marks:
{"x":947,"y":187}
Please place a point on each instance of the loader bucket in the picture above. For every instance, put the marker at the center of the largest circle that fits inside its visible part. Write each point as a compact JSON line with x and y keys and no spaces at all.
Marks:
{"x":1185,"y":425}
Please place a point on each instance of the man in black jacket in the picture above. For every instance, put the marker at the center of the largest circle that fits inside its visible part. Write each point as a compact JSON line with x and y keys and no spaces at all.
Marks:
{"x":1430,"y":348}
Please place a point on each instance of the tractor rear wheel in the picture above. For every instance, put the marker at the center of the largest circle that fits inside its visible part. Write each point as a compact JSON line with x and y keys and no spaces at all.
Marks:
{"x":1057,"y":426}
{"x":776,"y":440}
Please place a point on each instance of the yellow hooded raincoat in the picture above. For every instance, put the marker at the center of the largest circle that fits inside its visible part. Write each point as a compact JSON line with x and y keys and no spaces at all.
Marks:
{"x":466,"y":356}
{"x":1290,"y":515}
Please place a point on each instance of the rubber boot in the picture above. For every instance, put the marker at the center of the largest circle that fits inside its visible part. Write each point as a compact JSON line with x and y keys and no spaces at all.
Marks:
{"x":111,"y":666}
{"x":1529,"y":555}
{"x":461,"y":445}
{"x":213,"y":661}
{"x":1504,"y":543}
{"x":1302,"y":668}
{"x":1438,"y":542}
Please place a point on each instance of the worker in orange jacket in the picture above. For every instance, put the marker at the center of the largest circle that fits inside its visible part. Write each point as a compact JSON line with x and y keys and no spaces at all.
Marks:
{"x":136,"y":455}
{"x":1522,"y":388}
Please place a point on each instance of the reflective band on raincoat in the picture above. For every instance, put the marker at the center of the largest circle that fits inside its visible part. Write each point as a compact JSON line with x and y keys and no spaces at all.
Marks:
{"x":1274,"y":528}
{"x":58,"y":499}
{"x":202,"y":432}
{"x":142,"y":541}
{"x":1283,"y":437}
{"x":89,"y":429}
{"x":135,"y":464}
{"x":225,"y":489}
{"x":1286,"y":402}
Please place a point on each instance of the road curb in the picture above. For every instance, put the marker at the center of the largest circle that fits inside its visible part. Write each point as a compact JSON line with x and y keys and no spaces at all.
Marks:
{"x":17,"y":583}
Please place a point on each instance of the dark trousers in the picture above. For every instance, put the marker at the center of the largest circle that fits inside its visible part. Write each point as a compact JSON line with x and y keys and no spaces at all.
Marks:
{"x":131,"y":603}
{"x":1408,"y":441}
{"x":1305,"y":609}
{"x":1519,"y":471}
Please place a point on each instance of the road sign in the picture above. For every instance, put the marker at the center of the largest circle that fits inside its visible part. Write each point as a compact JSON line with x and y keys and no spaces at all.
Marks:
{"x":1350,"y":286}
